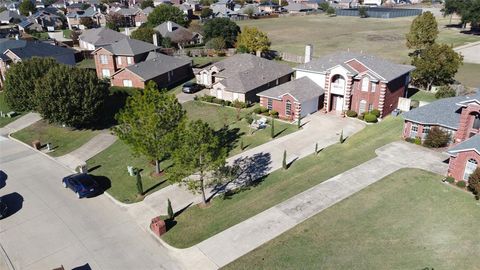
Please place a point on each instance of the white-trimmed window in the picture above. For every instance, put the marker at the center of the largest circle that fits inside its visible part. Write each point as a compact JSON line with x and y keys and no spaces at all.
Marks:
{"x":414,"y":131}
{"x":127,"y":83}
{"x":103,"y":59}
{"x":365,"y":83}
{"x":470,"y":167}
{"x":119,"y":60}
{"x":476,"y":121}
{"x":129,"y":60}
{"x":106,"y":73}
{"x":362,"y":107}
{"x":370,"y":107}
{"x":270,"y":104}
{"x":374,"y":87}
{"x":426,"y":130}
{"x":288,"y":108}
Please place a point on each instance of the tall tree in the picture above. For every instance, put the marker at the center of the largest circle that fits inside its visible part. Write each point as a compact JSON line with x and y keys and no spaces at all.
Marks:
{"x":435,"y":65}
{"x":114,"y":21}
{"x":71,"y":96}
{"x":149,"y":122}
{"x":423,"y":31}
{"x":20,"y":82}
{"x":87,"y":22}
{"x":26,"y":6}
{"x":253,"y":40}
{"x":199,"y":154}
{"x":206,"y":13}
{"x":163,"y":13}
{"x":145,"y":34}
{"x":469,"y":10}
{"x":474,"y":182}
{"x":147,"y":3}
{"x":222,"y":27}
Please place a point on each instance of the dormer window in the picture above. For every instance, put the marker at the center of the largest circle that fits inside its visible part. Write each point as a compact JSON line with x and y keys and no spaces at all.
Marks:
{"x":365,"y":82}
{"x":476,"y":121}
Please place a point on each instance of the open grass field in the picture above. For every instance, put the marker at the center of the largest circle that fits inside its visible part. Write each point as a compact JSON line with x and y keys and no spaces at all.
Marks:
{"x":5,"y":109}
{"x":112,"y":164}
{"x":469,"y":75}
{"x":196,"y":224}
{"x":63,"y":140}
{"x":382,"y":37}
{"x":218,"y":117}
{"x":408,"y":220}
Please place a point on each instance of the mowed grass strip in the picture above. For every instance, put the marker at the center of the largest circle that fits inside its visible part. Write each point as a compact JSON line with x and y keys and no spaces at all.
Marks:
{"x":6,"y":109}
{"x":408,"y":220}
{"x":63,"y":140}
{"x":196,"y":224}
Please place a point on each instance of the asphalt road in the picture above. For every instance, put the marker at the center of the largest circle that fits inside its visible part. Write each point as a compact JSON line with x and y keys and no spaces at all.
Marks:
{"x":48,"y":226}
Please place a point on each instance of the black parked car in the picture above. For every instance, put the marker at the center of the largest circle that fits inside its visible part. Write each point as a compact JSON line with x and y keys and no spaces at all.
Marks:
{"x":191,"y":87}
{"x":3,"y":209}
{"x":82,"y":184}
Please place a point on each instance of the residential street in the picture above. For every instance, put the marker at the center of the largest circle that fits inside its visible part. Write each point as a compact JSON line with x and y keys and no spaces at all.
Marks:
{"x":49,"y":226}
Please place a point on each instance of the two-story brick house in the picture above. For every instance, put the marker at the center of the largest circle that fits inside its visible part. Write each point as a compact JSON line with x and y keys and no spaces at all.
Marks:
{"x":120,"y":54}
{"x":460,"y":117}
{"x":358,"y":82}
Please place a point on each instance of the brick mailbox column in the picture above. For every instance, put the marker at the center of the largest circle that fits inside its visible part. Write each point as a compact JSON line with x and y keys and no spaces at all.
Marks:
{"x":158,"y":226}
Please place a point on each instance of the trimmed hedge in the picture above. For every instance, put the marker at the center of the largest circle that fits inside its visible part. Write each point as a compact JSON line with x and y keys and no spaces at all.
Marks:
{"x":351,"y":113}
{"x":370,"y":118}
{"x":375,"y":112}
{"x":461,"y":184}
{"x":450,"y":179}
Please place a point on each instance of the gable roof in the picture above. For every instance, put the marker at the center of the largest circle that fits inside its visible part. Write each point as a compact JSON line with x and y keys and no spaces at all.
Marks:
{"x":42,"y":49}
{"x":303,"y":89}
{"x":245,"y":72}
{"x":101,"y":36}
{"x":178,"y":33}
{"x":6,"y":43}
{"x":130,"y":11}
{"x":130,"y":47}
{"x":444,"y":112}
{"x":156,"y":65}
{"x":8,"y":15}
{"x":472,"y":143}
{"x":387,"y":70}
{"x":89,"y":12}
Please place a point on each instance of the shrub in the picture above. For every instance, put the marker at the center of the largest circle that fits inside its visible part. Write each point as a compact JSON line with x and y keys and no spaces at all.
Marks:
{"x":445,"y":91}
{"x":450,"y":179}
{"x":361,"y":116}
{"x":217,"y":100}
{"x":274,"y":113}
{"x":249,"y":119}
{"x":461,"y":184}
{"x":351,"y":113}
{"x":258,"y":110}
{"x":437,"y":138}
{"x":330,"y":11}
{"x":375,"y":112}
{"x":417,"y":141}
{"x":474,"y":182}
{"x":228,"y":103}
{"x":370,"y":118}
{"x":410,"y":140}
{"x":362,"y":12}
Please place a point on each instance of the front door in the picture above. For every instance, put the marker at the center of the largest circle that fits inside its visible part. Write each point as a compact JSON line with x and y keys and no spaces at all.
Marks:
{"x":219,"y":94}
{"x":338,"y":103}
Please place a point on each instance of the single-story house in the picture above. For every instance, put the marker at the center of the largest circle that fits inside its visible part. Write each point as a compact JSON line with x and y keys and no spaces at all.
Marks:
{"x":164,"y":70}
{"x":460,"y":117}
{"x":92,"y":39}
{"x":293,"y":99}
{"x":358,"y":82}
{"x":178,"y":34}
{"x":242,"y":76}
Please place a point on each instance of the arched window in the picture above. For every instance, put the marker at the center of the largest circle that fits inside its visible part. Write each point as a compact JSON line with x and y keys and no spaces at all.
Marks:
{"x":365,"y":84}
{"x":470,"y":167}
{"x":288,"y":108}
{"x":476,"y":121}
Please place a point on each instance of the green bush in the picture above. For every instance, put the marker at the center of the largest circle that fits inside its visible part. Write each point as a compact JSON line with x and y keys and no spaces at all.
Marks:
{"x":375,"y":112}
{"x":461,"y":184}
{"x":450,"y":179}
{"x":258,"y":110}
{"x":361,"y":116}
{"x":410,"y":140}
{"x":217,"y":100}
{"x":351,"y":113}
{"x":249,"y":119}
{"x":274,"y":113}
{"x":445,"y":91}
{"x":417,"y":141}
{"x":437,"y":138}
{"x":370,"y":118}
{"x":474,"y":182}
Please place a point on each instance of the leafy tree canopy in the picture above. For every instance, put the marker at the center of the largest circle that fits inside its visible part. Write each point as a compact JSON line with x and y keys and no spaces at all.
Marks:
{"x":423,"y":31}
{"x":114,"y":21}
{"x":163,"y":13}
{"x":26,"y":6}
{"x":145,"y":34}
{"x":252,"y":40}
{"x":222,"y":27}
{"x":147,"y":3}
{"x":217,"y":43}
{"x":206,"y":12}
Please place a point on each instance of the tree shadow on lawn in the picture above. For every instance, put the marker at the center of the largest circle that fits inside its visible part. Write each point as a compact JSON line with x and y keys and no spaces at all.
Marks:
{"x":171,"y":222}
{"x":229,"y":137}
{"x":247,"y":172}
{"x":113,"y":104}
{"x":14,"y":202}
{"x":153,"y":187}
{"x":278,"y":133}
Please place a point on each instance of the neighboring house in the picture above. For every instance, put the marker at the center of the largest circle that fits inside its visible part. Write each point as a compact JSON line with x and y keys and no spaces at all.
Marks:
{"x":164,"y":70}
{"x":460,"y":117}
{"x":60,"y":4}
{"x":187,"y":9}
{"x":74,"y":19}
{"x":42,"y":20}
{"x":92,"y":39}
{"x":372,"y":2}
{"x":298,"y":8}
{"x":178,"y":34}
{"x":29,"y":26}
{"x":17,"y":50}
{"x":242,"y":76}
{"x":269,"y":7}
{"x":132,"y":16}
{"x":111,"y":58}
{"x":358,"y":82}
{"x":8,"y":17}
{"x":293,"y":99}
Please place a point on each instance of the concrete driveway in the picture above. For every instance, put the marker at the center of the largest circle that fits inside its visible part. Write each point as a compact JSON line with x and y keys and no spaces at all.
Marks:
{"x":49,"y":226}
{"x":182,"y":97}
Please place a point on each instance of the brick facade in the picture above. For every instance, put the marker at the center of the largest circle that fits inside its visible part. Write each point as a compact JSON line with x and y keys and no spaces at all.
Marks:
{"x":279,"y":105}
{"x":457,"y":164}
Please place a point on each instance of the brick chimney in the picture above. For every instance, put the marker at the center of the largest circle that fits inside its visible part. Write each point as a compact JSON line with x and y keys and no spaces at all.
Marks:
{"x":169,"y":26}
{"x":308,"y":53}
{"x":155,"y":39}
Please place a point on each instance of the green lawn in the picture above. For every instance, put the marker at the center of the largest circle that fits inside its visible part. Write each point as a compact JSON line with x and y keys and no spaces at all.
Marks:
{"x":468,"y":74}
{"x":86,"y":63}
{"x":112,"y":163}
{"x":196,"y":224}
{"x":64,"y":140}
{"x":218,"y":116}
{"x":5,"y":109}
{"x":383,"y":37}
{"x":408,"y":220}
{"x":201,"y":61}
{"x":424,"y":96}
{"x":67,"y":33}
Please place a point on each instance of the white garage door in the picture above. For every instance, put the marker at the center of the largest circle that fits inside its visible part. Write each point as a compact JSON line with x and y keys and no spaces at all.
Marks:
{"x":309,"y":106}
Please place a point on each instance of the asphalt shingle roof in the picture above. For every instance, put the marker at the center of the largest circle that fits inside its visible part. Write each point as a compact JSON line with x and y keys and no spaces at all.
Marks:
{"x":303,"y":89}
{"x":41,"y":49}
{"x":245,"y":72}
{"x":178,"y":34}
{"x":156,"y":65}
{"x":7,"y":15}
{"x":384,"y":68}
{"x":471,"y":144}
{"x":130,"y":47}
{"x":6,"y":43}
{"x":101,"y":36}
{"x":444,"y":112}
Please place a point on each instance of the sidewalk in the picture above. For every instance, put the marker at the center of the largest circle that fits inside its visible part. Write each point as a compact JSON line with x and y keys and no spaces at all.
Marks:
{"x":470,"y":52}
{"x":80,"y":155}
{"x":231,"y":244}
{"x":21,"y":123}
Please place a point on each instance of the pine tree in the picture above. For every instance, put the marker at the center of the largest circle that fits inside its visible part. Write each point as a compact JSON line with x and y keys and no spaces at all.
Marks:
{"x":272,"y":129}
{"x":284,"y":162}
{"x":171,"y":215}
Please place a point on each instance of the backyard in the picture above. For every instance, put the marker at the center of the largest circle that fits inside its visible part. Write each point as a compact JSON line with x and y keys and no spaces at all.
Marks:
{"x":196,"y":224}
{"x":6,"y":109}
{"x":408,"y":220}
